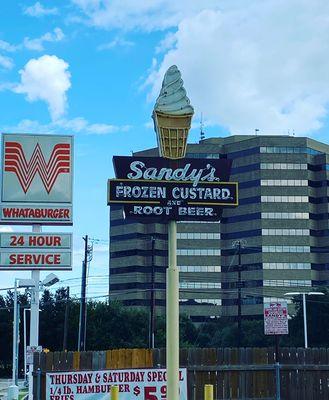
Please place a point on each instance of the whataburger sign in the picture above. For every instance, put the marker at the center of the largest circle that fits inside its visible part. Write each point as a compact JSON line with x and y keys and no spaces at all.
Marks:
{"x":36,"y":179}
{"x":184,"y":189}
{"x":37,"y":175}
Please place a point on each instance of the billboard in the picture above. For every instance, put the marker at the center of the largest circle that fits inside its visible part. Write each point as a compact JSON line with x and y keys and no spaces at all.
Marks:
{"x":37,"y":178}
{"x":42,"y":251}
{"x":276,"y":318}
{"x":184,"y":189}
{"x":133,"y":384}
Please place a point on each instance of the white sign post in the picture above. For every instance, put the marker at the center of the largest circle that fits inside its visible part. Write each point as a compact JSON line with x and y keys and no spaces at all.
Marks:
{"x":37,"y":180}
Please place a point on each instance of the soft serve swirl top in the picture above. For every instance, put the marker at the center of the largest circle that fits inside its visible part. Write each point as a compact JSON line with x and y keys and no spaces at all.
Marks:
{"x":173,"y":99}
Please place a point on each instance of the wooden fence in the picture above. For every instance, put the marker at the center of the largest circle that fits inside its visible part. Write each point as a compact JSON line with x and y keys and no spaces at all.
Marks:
{"x":245,"y":373}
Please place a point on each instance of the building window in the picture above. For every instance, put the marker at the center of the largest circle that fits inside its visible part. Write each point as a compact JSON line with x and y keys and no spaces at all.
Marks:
{"x":200,"y":285}
{"x":284,"y":166}
{"x":200,"y":268}
{"x":285,"y":232}
{"x":198,"y":252}
{"x":286,"y":265}
{"x":284,"y":199}
{"x":277,"y":300}
{"x":197,"y":235}
{"x":284,"y":215}
{"x":289,"y":150}
{"x":287,"y":282}
{"x":284,"y":182}
{"x":216,"y":302}
{"x":286,"y":249}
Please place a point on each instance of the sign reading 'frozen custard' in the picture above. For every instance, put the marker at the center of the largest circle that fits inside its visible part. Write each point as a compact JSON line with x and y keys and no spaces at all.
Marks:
{"x":184,"y":189}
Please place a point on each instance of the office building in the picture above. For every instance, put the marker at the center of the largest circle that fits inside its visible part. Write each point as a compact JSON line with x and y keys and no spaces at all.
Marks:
{"x":281,"y":225}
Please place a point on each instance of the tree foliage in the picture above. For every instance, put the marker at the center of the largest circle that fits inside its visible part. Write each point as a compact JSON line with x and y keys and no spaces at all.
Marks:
{"x":110,"y":325}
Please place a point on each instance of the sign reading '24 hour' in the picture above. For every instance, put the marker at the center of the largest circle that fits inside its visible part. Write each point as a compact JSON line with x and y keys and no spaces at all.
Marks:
{"x":184,"y":189}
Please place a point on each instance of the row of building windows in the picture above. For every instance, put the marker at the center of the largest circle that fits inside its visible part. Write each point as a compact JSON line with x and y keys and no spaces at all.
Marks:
{"x":216,"y":302}
{"x":203,"y":155}
{"x":198,"y":252}
{"x":286,"y":249}
{"x":200,"y":285}
{"x":289,"y":150}
{"x":284,"y":199}
{"x":287,"y":282}
{"x":298,"y":166}
{"x":198,"y":235}
{"x":285,"y":232}
{"x":284,"y":182}
{"x":283,"y":265}
{"x":285,"y":215}
{"x":277,"y":300}
{"x":200,"y":268}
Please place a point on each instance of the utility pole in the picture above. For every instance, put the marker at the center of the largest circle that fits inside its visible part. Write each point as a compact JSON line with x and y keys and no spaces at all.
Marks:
{"x":66,"y":318}
{"x":152,"y":302}
{"x":82,"y":318}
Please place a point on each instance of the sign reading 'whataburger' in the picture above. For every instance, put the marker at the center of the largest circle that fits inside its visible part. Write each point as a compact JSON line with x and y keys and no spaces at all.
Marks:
{"x":36,"y":179}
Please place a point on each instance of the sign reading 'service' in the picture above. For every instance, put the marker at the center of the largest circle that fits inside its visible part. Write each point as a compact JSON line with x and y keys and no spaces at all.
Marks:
{"x":37,"y":175}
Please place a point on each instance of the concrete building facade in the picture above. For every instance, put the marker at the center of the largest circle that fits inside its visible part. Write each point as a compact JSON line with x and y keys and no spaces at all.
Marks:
{"x":281,"y":223}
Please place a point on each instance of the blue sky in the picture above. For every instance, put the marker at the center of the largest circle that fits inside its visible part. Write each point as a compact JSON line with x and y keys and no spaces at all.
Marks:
{"x":93,"y":68}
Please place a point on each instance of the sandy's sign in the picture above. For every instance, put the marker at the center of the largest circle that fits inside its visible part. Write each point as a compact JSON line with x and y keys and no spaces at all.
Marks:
{"x":184,"y":189}
{"x":37,"y":175}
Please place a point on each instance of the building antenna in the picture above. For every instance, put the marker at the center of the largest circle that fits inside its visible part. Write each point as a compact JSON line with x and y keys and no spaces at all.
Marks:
{"x":202,"y":134}
{"x":293,"y":132}
{"x":256,"y":131}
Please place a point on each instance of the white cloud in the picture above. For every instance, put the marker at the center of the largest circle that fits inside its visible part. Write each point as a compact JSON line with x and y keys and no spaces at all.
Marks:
{"x":48,"y":79}
{"x":116,"y":42}
{"x":6,"y":62}
{"x":37,"y":44}
{"x":259,"y":65}
{"x":146,"y":15}
{"x":38,"y":10}
{"x":7,"y":46}
{"x":6,"y":229}
{"x":75,"y":125}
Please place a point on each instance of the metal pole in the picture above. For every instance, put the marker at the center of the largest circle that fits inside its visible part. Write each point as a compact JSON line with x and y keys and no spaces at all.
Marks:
{"x":34,"y":315}
{"x":82,"y":319}
{"x":24,"y":333}
{"x":239,"y":296}
{"x":114,"y":393}
{"x":305,"y":319}
{"x":172,"y":316}
{"x":15,"y":339}
{"x":277,"y":382}
{"x":152,"y":308}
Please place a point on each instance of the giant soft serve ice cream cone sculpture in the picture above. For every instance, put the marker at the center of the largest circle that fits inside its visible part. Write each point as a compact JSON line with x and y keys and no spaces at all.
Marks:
{"x":172,"y":115}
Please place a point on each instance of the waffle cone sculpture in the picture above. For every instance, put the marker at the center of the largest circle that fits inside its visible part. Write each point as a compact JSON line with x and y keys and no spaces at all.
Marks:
{"x":172,"y":116}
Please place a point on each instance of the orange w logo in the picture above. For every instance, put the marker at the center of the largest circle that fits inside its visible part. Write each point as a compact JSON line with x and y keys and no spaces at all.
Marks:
{"x":58,"y":163}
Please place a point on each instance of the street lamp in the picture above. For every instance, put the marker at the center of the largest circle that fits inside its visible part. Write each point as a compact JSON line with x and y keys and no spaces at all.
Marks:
{"x":304,"y":294}
{"x":13,"y":389}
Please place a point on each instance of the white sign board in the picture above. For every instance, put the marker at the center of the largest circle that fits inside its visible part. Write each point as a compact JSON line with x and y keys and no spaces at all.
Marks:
{"x":18,"y":240}
{"x":30,"y":350}
{"x":37,"y":174}
{"x":276,"y":318}
{"x":42,"y":251}
{"x":134,"y":384}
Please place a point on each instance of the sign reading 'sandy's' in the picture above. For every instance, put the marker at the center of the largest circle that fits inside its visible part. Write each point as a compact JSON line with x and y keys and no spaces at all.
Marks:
{"x":37,"y":173}
{"x":182,"y":189}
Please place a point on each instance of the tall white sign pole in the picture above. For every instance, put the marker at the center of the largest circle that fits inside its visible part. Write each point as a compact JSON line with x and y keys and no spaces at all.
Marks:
{"x":34,"y":315}
{"x":172,"y":345}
